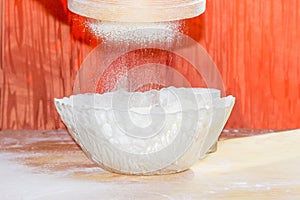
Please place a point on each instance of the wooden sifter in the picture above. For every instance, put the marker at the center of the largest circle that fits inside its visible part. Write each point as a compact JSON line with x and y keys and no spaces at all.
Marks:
{"x":137,"y":11}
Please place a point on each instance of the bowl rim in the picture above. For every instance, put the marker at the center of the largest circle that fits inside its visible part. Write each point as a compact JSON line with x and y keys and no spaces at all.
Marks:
{"x":214,"y":103}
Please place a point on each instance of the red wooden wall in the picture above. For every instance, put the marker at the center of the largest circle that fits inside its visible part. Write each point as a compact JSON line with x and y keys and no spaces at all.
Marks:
{"x":255,"y":44}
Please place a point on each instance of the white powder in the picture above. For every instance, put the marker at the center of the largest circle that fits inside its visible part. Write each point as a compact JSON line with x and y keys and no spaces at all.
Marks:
{"x":19,"y":182}
{"x":135,"y":32}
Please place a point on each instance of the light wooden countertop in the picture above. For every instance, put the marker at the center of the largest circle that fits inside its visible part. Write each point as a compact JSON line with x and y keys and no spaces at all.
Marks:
{"x":49,"y":165}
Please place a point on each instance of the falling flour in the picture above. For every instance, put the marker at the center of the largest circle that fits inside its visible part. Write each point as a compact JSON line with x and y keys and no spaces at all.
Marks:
{"x":137,"y":32}
{"x":162,"y":131}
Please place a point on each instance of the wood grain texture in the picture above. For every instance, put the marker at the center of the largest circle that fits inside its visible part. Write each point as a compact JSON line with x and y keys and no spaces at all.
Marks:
{"x":41,"y":60}
{"x":60,"y":144}
{"x":35,"y":165}
{"x":255,"y":44}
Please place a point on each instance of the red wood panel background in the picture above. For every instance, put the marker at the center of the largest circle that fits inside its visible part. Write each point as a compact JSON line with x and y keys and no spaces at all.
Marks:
{"x":255,"y":44}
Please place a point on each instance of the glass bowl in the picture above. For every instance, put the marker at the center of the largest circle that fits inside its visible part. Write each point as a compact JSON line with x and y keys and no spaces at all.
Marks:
{"x":155,"y":132}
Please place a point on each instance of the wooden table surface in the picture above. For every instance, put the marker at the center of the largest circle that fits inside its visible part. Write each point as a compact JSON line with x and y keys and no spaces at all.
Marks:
{"x":49,"y":165}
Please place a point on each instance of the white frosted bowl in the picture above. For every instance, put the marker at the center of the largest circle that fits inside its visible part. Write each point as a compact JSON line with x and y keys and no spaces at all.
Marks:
{"x":154,"y":132}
